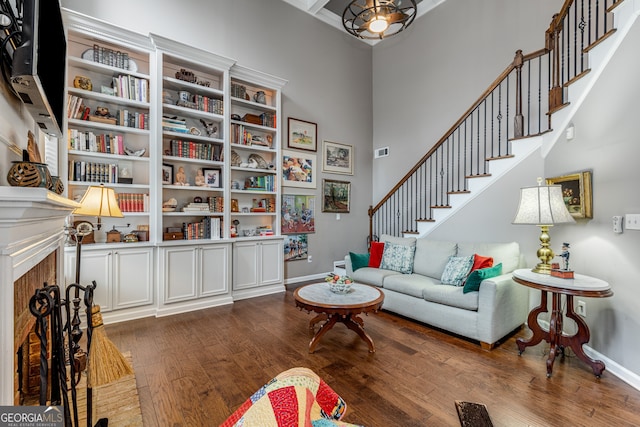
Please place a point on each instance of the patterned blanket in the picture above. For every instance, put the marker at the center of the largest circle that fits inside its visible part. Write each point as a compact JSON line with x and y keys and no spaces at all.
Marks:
{"x":295,"y":398}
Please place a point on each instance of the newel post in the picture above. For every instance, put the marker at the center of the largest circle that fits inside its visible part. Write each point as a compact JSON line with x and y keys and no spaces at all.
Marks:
{"x":518,"y":125}
{"x":552,"y":37}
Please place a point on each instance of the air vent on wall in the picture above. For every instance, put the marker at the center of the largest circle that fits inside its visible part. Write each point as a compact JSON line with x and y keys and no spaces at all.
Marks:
{"x":381,"y":152}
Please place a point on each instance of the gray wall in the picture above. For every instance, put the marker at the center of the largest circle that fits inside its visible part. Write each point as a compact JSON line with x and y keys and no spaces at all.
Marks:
{"x":329,"y":76}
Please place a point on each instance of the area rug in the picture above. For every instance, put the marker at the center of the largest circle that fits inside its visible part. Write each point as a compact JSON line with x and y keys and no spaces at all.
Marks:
{"x":473,"y":414}
{"x":117,"y":401}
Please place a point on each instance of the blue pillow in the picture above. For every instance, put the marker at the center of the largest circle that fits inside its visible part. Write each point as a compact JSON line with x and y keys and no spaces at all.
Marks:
{"x":472,"y":284}
{"x":398,"y":258}
{"x":358,"y":260}
{"x":457,"y":268}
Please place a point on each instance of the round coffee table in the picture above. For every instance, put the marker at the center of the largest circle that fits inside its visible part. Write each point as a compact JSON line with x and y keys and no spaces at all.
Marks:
{"x":333,"y":308}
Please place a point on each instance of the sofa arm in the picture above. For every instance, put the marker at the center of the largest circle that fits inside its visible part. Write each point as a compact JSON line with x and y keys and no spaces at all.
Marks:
{"x":502,"y":307}
{"x":348,"y":267}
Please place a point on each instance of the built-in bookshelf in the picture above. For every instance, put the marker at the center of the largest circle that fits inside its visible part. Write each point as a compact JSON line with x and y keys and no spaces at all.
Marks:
{"x":109,"y":120}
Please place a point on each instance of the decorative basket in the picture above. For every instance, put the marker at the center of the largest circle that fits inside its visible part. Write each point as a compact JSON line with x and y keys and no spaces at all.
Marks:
{"x":29,"y":174}
{"x":339,"y":288}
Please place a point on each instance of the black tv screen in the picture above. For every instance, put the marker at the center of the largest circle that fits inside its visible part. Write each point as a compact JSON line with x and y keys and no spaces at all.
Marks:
{"x":39,"y":64}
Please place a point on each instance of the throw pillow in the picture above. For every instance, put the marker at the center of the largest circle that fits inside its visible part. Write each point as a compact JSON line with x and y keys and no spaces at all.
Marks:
{"x":358,"y":260}
{"x":398,"y":258}
{"x":457,"y":268}
{"x":476,"y":277}
{"x":481,"y":262}
{"x":375,"y":256}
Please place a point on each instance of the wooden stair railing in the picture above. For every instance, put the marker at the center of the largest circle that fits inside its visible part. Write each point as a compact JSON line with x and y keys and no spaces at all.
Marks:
{"x":484,"y":132}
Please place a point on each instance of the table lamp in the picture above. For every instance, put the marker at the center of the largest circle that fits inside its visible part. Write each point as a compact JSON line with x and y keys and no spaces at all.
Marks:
{"x":543,"y":206}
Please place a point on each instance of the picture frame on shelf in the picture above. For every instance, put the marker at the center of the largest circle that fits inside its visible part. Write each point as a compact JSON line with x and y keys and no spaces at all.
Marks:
{"x":337,"y":158}
{"x":212,"y":178}
{"x":576,"y":193}
{"x":298,"y":213}
{"x":303,"y":135}
{"x":296,"y":247}
{"x":167,"y":174}
{"x":299,"y":169}
{"x":336,"y":196}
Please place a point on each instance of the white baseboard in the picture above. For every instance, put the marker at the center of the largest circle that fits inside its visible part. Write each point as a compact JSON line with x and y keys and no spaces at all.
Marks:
{"x":299,"y":279}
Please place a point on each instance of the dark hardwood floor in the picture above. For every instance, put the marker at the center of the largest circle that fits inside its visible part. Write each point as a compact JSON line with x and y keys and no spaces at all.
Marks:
{"x":195,"y":369}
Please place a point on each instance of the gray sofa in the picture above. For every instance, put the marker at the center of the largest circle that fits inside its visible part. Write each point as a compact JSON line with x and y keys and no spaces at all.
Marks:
{"x":487,"y":315}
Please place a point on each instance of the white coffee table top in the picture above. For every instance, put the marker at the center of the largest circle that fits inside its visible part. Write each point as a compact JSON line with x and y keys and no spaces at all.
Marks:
{"x":320,"y":293}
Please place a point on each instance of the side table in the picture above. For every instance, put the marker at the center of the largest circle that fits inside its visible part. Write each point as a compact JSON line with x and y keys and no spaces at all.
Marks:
{"x":581,"y":286}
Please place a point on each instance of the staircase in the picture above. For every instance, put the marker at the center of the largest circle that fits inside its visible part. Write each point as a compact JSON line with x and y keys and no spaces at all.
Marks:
{"x":525,"y":110}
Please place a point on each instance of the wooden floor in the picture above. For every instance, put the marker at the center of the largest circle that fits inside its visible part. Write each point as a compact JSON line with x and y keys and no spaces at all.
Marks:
{"x":195,"y":369}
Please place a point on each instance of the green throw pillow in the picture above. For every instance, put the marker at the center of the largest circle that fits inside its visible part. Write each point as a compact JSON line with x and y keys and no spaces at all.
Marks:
{"x":358,"y":260}
{"x":457,"y":268}
{"x":473,"y":281}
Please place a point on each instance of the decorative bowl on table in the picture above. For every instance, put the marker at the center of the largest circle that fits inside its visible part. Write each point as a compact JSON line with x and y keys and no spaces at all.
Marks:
{"x":339,"y":284}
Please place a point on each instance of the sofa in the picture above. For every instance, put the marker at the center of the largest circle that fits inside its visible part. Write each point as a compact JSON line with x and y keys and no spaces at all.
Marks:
{"x":412,"y":275}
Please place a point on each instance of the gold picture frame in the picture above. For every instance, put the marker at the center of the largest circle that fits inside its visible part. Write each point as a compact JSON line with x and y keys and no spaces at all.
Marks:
{"x":576,"y":192}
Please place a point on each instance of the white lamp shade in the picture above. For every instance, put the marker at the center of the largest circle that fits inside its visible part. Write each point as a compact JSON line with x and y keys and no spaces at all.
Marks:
{"x":542,"y":205}
{"x":99,"y":201}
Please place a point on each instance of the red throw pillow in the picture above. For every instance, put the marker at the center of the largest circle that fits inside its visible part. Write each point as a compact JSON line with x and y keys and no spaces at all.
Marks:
{"x":375,"y":256}
{"x":481,"y":262}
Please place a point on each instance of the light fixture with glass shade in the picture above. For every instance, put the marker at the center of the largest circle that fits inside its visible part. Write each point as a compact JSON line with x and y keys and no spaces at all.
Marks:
{"x":543,"y":206}
{"x":377,"y":19}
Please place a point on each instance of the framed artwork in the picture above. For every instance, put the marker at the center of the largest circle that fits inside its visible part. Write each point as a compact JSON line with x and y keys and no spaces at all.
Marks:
{"x":298,"y":169}
{"x":298,"y":214}
{"x":338,"y":158}
{"x":336,"y":196}
{"x":576,"y":192}
{"x":296,"y":247}
{"x":167,"y":174}
{"x":212,"y":178}
{"x":303,"y":135}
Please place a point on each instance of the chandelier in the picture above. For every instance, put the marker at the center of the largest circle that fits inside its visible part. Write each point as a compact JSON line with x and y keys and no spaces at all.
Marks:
{"x":377,"y":19}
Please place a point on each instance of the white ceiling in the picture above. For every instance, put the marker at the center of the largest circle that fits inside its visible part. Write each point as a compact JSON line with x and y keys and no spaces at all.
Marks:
{"x":330,"y":11}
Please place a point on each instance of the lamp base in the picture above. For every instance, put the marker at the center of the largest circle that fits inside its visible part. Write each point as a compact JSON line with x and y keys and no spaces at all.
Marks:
{"x":542,"y":268}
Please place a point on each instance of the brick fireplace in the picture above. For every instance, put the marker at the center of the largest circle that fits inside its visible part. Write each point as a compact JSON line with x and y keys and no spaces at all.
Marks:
{"x":31,"y":250}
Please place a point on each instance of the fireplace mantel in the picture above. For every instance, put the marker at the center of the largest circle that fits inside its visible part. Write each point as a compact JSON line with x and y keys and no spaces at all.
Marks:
{"x":31,"y":228}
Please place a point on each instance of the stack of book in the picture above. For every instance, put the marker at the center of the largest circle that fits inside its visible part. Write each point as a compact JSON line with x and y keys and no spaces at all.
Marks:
{"x":265,"y":230}
{"x":174,"y":125}
{"x":196,"y":207}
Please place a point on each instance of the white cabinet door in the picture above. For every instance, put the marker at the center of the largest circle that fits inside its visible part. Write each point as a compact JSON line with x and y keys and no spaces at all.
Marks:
{"x":94,"y":265}
{"x":180,"y":274}
{"x":133,"y":277}
{"x":271,"y":262}
{"x":214,"y":271}
{"x":245,"y":265}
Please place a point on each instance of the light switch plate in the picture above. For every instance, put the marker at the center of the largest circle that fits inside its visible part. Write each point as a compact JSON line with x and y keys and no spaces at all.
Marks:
{"x":632,"y":221}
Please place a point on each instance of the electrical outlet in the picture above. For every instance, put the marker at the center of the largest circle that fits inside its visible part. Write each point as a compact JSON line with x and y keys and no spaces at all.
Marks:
{"x":581,"y":308}
{"x":309,"y":258}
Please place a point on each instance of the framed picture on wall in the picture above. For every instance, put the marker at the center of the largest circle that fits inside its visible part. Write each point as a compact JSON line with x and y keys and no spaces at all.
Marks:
{"x":303,"y":135}
{"x":298,"y":169}
{"x":298,"y":213}
{"x":576,"y":193}
{"x":296,"y":247}
{"x":338,"y":158}
{"x":336,"y":196}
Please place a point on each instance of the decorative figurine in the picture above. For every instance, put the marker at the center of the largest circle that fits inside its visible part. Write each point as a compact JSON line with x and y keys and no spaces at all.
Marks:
{"x":563,"y":272}
{"x":565,"y":255}
{"x":200,"y":181}
{"x":181,"y":177}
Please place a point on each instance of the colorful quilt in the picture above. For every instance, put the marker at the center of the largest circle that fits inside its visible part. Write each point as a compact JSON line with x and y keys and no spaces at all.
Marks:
{"x":295,"y":398}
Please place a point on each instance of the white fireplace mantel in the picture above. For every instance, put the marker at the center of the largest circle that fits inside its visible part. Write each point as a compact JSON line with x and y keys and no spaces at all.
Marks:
{"x":31,"y":228}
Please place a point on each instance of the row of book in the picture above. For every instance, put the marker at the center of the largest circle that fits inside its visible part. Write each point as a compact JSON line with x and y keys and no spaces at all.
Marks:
{"x":77,"y":109}
{"x":96,"y":143}
{"x":129,"y":87}
{"x":260,"y":183}
{"x":203,"y":103}
{"x":195,"y":150}
{"x":113,"y":58}
{"x":264,"y":205}
{"x":240,"y":135}
{"x":92,"y":172}
{"x":216,"y":203}
{"x":208,"y":228}
{"x":133,"y":202}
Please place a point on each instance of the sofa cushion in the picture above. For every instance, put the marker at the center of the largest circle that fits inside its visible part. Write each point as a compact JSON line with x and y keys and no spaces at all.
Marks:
{"x":432,"y":256}
{"x":406,"y":241}
{"x":358,"y":260}
{"x":398,"y":258}
{"x":480,"y":261}
{"x":372,"y":276}
{"x":456,"y":270}
{"x":476,"y":277}
{"x":375,"y":256}
{"x":452,"y":296}
{"x":506,"y":253}
{"x":409,"y":284}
